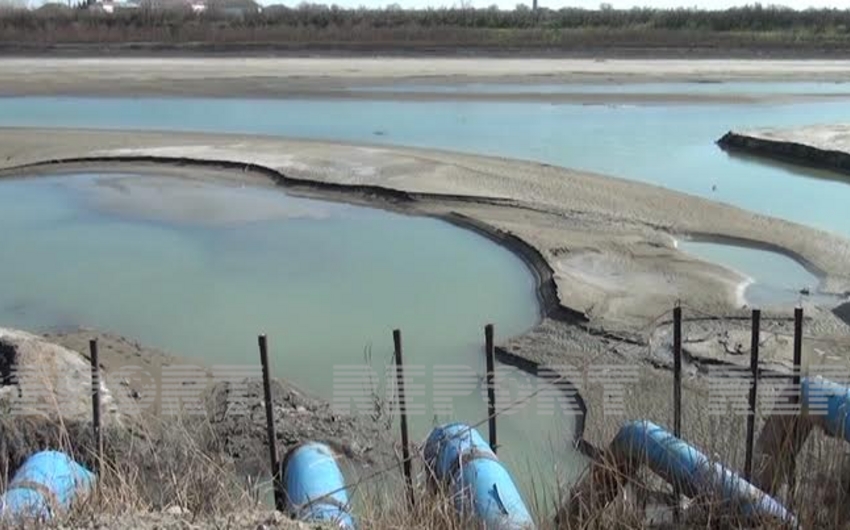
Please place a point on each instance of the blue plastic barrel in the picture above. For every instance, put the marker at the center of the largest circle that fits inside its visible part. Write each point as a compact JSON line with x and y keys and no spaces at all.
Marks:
{"x":48,"y":482}
{"x":481,"y":486}
{"x":678,"y":462}
{"x":314,"y":486}
{"x":828,"y":404}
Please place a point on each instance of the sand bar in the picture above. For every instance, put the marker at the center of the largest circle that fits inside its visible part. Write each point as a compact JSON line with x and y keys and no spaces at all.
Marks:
{"x":821,"y":146}
{"x":607,"y":243}
{"x":330,"y":77}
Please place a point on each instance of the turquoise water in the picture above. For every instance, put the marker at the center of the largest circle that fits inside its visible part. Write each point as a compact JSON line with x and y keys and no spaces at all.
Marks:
{"x":780,"y":279}
{"x":201,"y":269}
{"x":176,"y":284}
{"x":754,"y":88}
{"x":671,"y":146}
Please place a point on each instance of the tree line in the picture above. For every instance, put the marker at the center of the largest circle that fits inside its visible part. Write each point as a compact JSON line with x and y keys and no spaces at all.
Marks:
{"x":231,"y":21}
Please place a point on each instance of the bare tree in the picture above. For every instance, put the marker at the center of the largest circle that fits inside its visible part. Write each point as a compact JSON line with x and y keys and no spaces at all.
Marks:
{"x":13,"y":4}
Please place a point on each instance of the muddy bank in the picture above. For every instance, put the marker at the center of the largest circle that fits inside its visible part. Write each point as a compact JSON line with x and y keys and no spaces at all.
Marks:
{"x":297,"y":77}
{"x":817,"y":146}
{"x":228,"y":417}
{"x":608,"y":244}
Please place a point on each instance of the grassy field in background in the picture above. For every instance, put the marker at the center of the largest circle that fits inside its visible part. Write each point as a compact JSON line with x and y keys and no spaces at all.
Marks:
{"x":751,"y":30}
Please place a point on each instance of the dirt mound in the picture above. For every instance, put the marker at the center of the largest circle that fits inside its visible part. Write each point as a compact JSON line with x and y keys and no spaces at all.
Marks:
{"x":298,"y":418}
{"x":150,"y":446}
{"x":43,"y":379}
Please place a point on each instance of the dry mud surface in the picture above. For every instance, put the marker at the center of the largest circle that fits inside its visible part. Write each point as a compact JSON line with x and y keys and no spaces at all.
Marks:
{"x":327,"y":77}
{"x":602,"y":248}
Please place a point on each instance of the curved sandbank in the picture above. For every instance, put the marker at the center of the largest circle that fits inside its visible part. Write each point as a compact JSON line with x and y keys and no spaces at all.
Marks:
{"x":330,"y":76}
{"x":819,"y":146}
{"x":607,"y":244}
{"x":603,"y":248}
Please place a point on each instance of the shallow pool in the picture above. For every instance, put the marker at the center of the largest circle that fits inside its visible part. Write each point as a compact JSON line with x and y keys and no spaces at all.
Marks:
{"x":770,"y":278}
{"x":199,"y":269}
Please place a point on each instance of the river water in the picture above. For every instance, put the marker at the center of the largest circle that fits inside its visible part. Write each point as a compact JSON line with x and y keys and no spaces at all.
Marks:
{"x":330,"y":282}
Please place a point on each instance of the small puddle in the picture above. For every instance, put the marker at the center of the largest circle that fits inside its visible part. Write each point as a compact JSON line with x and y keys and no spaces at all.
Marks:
{"x":772,"y":279}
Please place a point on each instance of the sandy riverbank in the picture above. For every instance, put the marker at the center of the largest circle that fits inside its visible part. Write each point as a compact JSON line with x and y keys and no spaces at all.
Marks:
{"x":603,"y":248}
{"x":304,"y":77}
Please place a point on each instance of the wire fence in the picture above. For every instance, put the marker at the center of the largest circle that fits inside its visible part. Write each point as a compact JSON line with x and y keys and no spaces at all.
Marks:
{"x":761,"y":328}
{"x":689,"y":315}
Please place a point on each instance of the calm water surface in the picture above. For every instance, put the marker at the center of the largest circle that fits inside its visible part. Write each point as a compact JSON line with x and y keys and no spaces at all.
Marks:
{"x":201,"y":269}
{"x":781,"y":280}
{"x":670,"y":146}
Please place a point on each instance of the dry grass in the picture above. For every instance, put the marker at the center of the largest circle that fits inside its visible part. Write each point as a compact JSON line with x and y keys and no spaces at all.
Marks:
{"x":181,"y":463}
{"x":177,"y":463}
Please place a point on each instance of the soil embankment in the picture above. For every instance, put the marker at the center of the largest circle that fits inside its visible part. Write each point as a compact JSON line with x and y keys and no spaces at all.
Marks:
{"x":45,"y":396}
{"x":234,"y":408}
{"x":819,"y":146}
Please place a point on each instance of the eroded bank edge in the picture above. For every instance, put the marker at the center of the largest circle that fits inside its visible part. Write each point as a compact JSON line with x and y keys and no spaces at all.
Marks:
{"x":786,"y":151}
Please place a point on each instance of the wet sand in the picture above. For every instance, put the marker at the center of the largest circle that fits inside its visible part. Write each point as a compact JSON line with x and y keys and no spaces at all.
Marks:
{"x":607,"y":242}
{"x":328,"y":77}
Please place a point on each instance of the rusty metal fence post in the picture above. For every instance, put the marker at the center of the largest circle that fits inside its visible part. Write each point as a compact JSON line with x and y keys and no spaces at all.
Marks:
{"x":402,"y":405}
{"x":95,"y":398}
{"x":490,"y":352}
{"x":271,"y":434}
{"x":753,"y":398}
{"x":677,"y":394}
{"x":795,"y":432}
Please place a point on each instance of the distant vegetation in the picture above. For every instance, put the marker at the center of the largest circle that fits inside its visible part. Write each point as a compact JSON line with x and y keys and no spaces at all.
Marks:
{"x":312,"y":26}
